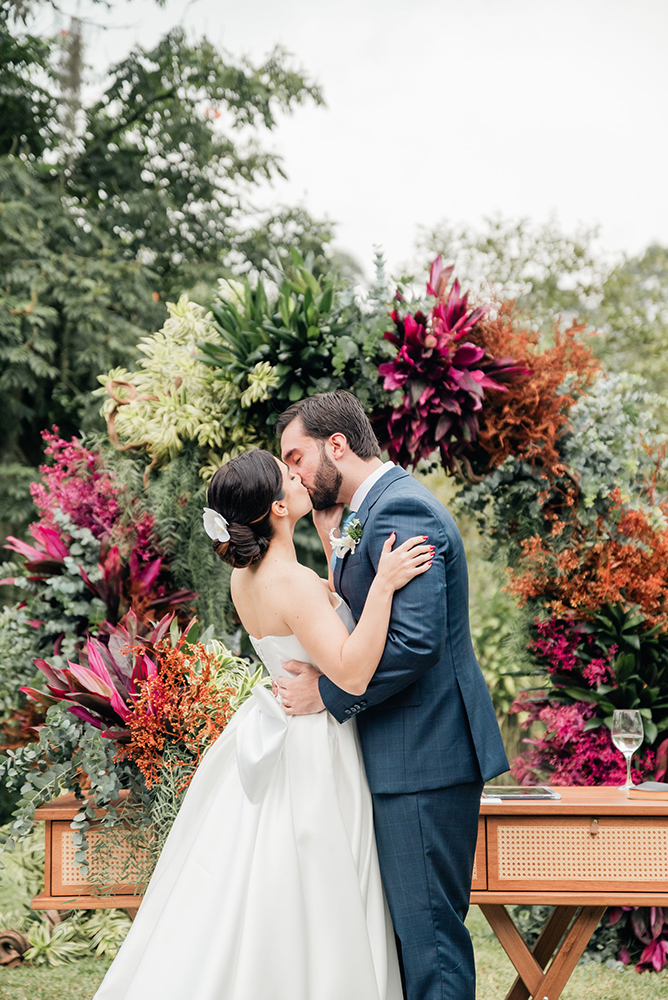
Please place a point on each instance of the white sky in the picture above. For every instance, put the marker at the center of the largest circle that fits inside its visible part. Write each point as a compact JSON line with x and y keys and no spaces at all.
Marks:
{"x":437,"y":108}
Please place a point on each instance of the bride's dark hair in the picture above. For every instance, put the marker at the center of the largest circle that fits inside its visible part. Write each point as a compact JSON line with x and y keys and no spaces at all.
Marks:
{"x":243,"y":491}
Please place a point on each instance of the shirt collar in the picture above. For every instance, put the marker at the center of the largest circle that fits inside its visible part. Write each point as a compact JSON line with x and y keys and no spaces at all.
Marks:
{"x":362,"y":490}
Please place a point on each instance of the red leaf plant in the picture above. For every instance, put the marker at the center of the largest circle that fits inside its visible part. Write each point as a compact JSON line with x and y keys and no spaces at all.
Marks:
{"x":650,"y":926}
{"x":444,"y":377}
{"x":106,"y":683}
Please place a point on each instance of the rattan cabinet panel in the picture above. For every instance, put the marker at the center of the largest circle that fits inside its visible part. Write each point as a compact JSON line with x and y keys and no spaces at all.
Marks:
{"x":67,"y":877}
{"x":577,"y":852}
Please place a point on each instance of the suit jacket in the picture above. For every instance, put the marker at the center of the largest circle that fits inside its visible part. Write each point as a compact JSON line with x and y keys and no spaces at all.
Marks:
{"x":426,"y":719}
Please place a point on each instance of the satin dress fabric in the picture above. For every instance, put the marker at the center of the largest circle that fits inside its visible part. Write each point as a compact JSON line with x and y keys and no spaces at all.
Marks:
{"x":268,"y":887}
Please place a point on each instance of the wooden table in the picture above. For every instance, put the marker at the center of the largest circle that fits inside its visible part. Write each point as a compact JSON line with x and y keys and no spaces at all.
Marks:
{"x":592,"y":849}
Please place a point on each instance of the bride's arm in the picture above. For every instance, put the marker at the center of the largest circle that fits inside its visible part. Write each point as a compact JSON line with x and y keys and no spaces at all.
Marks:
{"x":350,"y":660}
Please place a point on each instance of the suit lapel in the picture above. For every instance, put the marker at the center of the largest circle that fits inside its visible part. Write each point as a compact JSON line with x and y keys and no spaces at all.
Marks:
{"x":377,"y":490}
{"x":374,"y":494}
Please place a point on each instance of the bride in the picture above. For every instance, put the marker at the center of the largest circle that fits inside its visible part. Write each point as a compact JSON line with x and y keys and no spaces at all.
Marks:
{"x":268,"y":887}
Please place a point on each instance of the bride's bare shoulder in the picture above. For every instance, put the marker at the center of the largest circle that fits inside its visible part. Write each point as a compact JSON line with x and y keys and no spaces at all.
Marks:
{"x":298,"y":582}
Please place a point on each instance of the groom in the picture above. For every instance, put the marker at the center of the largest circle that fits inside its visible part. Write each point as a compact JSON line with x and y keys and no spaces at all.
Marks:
{"x":426,"y":724}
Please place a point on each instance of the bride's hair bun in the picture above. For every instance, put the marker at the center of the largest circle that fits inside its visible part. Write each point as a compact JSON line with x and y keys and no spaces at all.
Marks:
{"x":243,"y":491}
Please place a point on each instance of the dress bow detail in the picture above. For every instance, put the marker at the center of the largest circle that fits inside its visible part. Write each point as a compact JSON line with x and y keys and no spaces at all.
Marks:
{"x":260,"y":738}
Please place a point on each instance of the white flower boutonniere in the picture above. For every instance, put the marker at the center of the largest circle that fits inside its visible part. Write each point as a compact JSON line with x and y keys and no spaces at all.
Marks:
{"x":347,"y":542}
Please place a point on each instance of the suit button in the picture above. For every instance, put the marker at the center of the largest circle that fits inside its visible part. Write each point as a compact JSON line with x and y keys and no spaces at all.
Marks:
{"x":362,"y":704}
{"x":347,"y":712}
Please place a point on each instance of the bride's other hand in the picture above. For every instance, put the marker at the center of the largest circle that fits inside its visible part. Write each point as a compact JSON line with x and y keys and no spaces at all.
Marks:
{"x":328,"y":519}
{"x":300,"y":693}
{"x":397,"y":567}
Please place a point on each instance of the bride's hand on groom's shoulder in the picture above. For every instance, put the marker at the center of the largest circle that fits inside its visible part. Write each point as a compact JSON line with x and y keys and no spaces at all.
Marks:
{"x":328,"y":519}
{"x":399,"y":566}
{"x":300,"y":693}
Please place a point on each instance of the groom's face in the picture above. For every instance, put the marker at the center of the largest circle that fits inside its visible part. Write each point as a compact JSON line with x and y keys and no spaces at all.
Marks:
{"x":308,"y":458}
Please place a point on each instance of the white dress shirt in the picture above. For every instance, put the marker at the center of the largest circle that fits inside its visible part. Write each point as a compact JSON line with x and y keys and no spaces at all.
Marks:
{"x":362,"y":490}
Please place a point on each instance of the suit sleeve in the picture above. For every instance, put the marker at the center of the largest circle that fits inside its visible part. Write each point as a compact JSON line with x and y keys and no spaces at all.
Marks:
{"x":416,"y":636}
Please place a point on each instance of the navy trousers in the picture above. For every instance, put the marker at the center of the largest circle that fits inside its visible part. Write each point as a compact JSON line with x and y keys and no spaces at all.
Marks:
{"x":426,"y":847}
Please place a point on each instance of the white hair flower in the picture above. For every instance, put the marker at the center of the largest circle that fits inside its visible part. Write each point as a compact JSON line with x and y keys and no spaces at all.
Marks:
{"x":215,"y":525}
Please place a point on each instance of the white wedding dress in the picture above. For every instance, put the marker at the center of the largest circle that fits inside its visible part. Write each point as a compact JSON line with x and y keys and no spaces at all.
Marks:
{"x":268,"y":887}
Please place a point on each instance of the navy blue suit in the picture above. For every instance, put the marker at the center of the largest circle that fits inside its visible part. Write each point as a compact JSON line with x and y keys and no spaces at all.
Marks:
{"x":429,"y":736}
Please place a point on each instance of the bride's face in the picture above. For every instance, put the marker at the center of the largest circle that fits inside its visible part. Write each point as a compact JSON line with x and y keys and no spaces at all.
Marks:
{"x":297,"y":498}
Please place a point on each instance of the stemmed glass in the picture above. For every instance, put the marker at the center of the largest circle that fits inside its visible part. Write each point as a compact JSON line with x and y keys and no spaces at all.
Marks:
{"x":627,"y":735}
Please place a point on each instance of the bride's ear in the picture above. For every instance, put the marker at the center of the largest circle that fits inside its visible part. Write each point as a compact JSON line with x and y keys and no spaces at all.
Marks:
{"x":279,"y":508}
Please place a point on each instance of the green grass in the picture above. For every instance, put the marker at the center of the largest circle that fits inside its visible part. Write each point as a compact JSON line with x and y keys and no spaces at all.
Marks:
{"x":79,"y":980}
{"x":75,"y":981}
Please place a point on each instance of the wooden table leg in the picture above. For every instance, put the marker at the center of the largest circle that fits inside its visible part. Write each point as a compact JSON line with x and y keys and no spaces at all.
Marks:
{"x":546,"y":945}
{"x":533,"y":980}
{"x":569,"y":954}
{"x":514,"y":945}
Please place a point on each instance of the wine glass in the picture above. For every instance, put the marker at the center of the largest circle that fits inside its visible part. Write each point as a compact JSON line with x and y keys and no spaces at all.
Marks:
{"x":627,"y":735}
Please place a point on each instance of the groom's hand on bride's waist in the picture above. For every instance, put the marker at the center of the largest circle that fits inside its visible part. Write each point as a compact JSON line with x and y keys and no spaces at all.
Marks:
{"x":300,"y":694}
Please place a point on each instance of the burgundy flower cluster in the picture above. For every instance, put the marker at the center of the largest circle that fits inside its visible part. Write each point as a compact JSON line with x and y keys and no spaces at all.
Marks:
{"x":568,"y":753}
{"x":563,"y":646}
{"x":443,"y":376}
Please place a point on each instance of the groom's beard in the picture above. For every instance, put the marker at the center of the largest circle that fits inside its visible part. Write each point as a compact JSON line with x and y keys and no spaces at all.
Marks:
{"x":326,"y":484}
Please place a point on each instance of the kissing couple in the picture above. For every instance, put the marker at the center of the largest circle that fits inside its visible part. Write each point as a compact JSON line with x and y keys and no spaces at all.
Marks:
{"x":325,"y":846}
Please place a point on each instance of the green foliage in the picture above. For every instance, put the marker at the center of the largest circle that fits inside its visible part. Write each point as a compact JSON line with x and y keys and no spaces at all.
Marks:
{"x":69,"y":307}
{"x":59,"y":603}
{"x":105,"y":213}
{"x":496,"y":631}
{"x":176,"y":496}
{"x":173,"y":181}
{"x":172,"y":397}
{"x":633,"y":315}
{"x":549,"y":273}
{"x":28,"y":108}
{"x":16,"y":507}
{"x":54,"y":607}
{"x":20,"y":644}
{"x":310,"y":335}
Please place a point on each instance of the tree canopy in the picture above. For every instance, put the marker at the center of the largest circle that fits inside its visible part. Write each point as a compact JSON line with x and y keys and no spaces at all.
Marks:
{"x":109,"y":209}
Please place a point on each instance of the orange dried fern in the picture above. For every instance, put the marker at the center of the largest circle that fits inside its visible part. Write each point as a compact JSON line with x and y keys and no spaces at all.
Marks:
{"x":528,"y":419}
{"x":180,"y":706}
{"x":622,"y":561}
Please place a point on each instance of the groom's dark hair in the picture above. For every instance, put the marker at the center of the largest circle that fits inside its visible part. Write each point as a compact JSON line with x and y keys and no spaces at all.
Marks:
{"x":329,"y":413}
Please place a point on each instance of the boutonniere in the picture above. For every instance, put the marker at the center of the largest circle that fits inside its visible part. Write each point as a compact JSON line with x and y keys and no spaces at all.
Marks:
{"x":348,"y":540}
